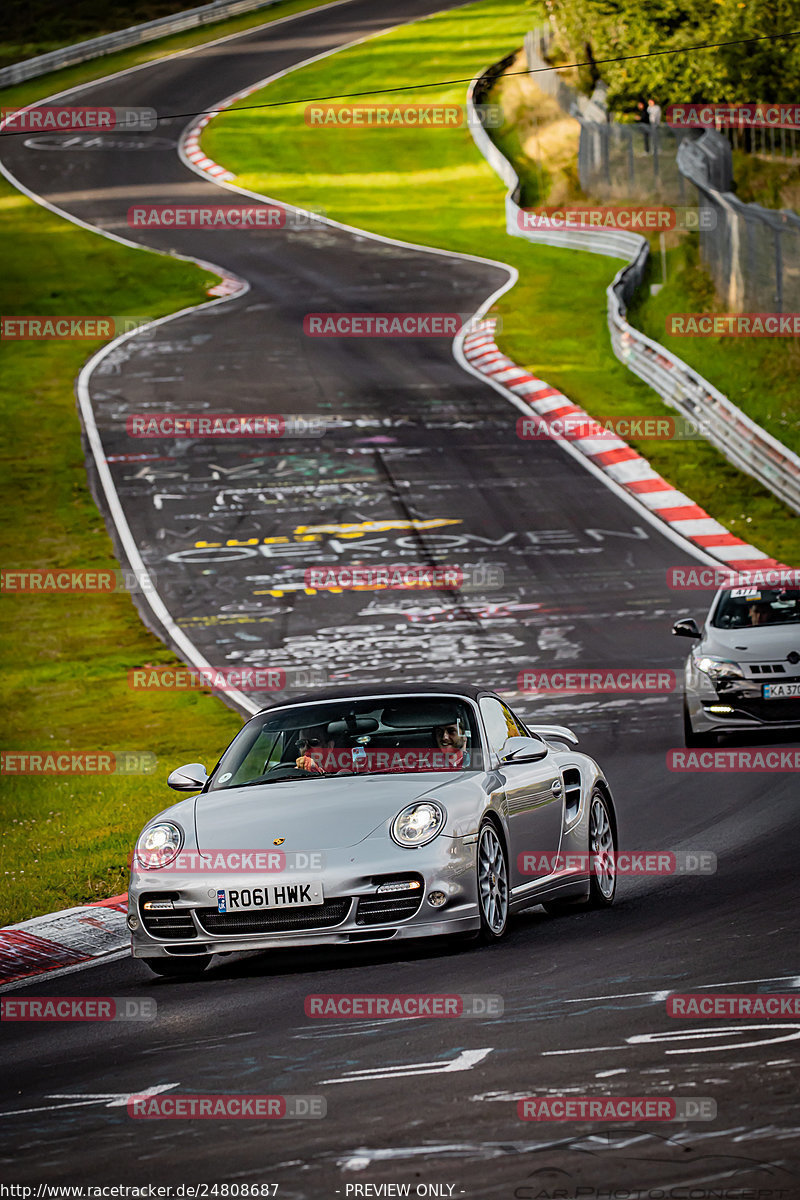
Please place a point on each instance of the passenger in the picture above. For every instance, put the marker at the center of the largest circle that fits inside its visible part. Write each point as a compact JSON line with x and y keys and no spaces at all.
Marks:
{"x":453,"y":741}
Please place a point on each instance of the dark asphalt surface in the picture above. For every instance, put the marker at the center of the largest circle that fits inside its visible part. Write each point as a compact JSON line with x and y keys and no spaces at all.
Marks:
{"x":583,"y":584}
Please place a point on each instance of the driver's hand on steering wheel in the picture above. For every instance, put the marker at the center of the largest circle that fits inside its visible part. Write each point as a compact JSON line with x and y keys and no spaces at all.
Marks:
{"x":306,"y":763}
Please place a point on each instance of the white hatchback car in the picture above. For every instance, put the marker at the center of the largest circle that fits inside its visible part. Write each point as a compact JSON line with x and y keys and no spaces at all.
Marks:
{"x":744,"y":672}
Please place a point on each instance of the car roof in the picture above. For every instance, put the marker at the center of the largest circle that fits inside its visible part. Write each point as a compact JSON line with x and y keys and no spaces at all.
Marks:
{"x":468,"y":691}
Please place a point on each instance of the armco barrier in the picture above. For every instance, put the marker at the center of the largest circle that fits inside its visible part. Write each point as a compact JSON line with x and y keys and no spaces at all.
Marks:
{"x":740,"y":439}
{"x":67,"y":56}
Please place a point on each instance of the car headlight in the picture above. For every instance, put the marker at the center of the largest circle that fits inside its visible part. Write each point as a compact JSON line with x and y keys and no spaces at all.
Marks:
{"x":718,"y":669}
{"x":158,"y":845}
{"x":418,"y":824}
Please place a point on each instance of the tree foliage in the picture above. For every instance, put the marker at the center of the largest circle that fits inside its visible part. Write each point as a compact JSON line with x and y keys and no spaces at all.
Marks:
{"x":611,"y":29}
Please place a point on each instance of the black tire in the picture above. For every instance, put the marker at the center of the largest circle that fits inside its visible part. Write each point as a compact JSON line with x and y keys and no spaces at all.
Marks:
{"x":692,"y":739}
{"x":492,"y":883}
{"x":179,"y":968}
{"x":602,"y":885}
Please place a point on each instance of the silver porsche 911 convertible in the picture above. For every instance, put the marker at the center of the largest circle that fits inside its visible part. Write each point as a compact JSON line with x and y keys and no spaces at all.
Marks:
{"x":371,"y":814}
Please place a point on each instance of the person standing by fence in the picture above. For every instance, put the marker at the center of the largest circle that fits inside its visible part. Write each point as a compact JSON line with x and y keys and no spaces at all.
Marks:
{"x":654,"y":119}
{"x":643,"y":119}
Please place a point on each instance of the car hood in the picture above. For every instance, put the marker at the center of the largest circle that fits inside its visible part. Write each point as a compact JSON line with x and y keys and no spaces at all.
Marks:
{"x":314,"y":814}
{"x":752,"y":645}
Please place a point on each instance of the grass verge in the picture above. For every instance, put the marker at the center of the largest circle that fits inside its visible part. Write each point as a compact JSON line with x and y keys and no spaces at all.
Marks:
{"x":438,"y":191}
{"x":64,"y":659}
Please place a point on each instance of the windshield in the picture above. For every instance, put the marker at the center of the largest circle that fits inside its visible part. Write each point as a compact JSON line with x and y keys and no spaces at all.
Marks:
{"x":746,"y":608}
{"x":352,"y":737}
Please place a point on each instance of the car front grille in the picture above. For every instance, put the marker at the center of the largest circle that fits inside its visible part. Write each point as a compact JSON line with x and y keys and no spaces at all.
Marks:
{"x":276,"y":920}
{"x":375,"y":910}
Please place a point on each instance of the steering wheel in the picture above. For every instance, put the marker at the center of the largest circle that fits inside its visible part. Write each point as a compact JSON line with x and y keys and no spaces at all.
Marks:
{"x":290,"y":771}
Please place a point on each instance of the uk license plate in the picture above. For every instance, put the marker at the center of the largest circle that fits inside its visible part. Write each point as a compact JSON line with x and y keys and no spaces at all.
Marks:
{"x":268,"y":895}
{"x":780,"y":691}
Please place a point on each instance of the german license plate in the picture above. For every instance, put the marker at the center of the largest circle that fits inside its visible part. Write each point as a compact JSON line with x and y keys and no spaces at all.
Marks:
{"x":268,"y":895}
{"x":780,"y":691}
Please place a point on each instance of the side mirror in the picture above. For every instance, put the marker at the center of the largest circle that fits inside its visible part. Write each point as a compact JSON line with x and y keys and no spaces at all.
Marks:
{"x":522,"y":750}
{"x":188,"y":779}
{"x":686,"y":628}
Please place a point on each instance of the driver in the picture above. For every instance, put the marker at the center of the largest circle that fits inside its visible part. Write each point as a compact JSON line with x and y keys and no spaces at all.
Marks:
{"x":760,"y":613}
{"x":314,"y":744}
{"x":452,"y":739}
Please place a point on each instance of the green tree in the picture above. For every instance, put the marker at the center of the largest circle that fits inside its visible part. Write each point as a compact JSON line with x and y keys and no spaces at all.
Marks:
{"x":612,"y":29}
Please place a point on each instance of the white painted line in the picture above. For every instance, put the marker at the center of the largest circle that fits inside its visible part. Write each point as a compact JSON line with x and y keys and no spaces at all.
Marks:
{"x":700,"y":1035}
{"x":111,"y":1099}
{"x":794,"y":980}
{"x":465,"y":1061}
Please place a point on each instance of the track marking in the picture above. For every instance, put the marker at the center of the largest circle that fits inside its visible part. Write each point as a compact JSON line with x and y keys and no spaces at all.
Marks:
{"x":630,"y":499}
{"x":111,"y":1099}
{"x":464,"y":1061}
{"x":700,"y":987}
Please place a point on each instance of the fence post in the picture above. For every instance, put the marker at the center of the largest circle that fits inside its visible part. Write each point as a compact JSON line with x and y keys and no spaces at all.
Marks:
{"x":776,"y":233}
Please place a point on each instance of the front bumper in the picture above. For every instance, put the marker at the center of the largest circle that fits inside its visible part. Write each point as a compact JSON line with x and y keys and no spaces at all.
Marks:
{"x":353,"y":911}
{"x":749,"y":710}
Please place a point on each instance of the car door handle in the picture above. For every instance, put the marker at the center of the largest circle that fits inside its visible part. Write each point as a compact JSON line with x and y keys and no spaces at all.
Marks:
{"x":556,"y":788}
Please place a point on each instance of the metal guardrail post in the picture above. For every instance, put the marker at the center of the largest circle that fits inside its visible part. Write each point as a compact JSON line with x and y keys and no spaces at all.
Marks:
{"x":123,"y":39}
{"x":740,"y":439}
